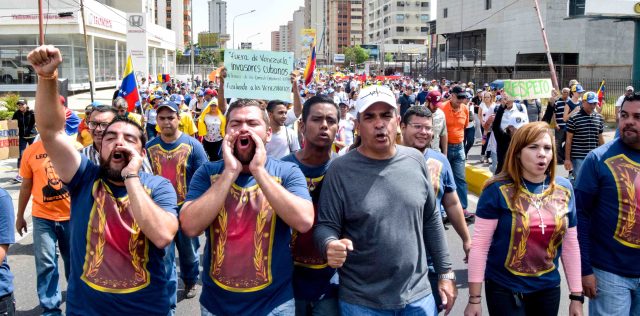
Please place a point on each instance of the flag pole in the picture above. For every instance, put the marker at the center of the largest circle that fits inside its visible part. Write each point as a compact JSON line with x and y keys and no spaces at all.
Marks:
{"x":86,"y":48}
{"x":552,"y":68}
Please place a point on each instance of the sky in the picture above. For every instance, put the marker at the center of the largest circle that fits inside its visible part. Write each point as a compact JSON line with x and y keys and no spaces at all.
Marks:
{"x":269,"y":15}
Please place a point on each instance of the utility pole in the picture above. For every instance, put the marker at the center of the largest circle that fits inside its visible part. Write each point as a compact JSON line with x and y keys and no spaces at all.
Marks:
{"x":552,"y":68}
{"x":40,"y":22}
{"x":193,"y":52}
{"x":86,"y":48}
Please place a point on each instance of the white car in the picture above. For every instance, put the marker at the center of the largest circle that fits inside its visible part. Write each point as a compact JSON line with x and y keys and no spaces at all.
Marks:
{"x":10,"y":71}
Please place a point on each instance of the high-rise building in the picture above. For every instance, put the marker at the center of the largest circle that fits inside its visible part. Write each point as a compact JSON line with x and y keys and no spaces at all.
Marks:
{"x":397,"y":22}
{"x":284,"y":38}
{"x":296,"y":32}
{"x":345,"y":25}
{"x":175,"y":15}
{"x":318,"y":21}
{"x":275,"y":41}
{"x":218,"y":16}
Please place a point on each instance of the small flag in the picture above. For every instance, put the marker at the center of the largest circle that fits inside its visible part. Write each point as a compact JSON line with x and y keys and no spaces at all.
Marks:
{"x":163,"y":78}
{"x":601,"y":93}
{"x":311,"y":65}
{"x":129,"y":87}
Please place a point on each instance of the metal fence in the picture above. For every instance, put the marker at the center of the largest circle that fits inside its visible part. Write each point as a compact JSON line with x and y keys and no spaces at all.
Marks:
{"x":200,"y":70}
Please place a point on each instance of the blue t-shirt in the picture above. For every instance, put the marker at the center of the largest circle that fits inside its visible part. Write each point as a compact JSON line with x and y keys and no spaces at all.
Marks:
{"x":312,"y":275}
{"x":441,"y":174}
{"x":247,"y":266}
{"x":422,"y":96}
{"x":115,"y":269}
{"x":177,"y":161}
{"x":608,"y":203}
{"x":524,"y":251}
{"x":7,"y":237}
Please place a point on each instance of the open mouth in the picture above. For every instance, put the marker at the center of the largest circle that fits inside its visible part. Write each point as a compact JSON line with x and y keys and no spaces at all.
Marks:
{"x":243,"y":142}
{"x":542,"y":164}
{"x":381,"y":137}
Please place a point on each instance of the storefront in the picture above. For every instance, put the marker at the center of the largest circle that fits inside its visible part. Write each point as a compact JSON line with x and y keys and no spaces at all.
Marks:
{"x":107,"y":42}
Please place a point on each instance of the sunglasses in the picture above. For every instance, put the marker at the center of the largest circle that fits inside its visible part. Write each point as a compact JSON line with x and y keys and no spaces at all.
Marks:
{"x":461,"y":96}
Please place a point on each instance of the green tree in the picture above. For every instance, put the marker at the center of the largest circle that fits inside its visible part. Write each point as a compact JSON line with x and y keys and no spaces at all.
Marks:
{"x":356,"y":55}
{"x":388,"y":57}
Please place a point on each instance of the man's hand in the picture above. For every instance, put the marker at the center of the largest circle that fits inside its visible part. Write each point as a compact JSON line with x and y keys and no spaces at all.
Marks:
{"x":45,"y":60}
{"x":231,"y":163}
{"x":568,"y":165}
{"x":222,"y":75}
{"x":294,"y":79}
{"x":575,"y":308}
{"x":260,"y":156}
{"x":337,"y":252}
{"x":21,"y":225}
{"x":589,"y":286}
{"x":466,"y":247}
{"x":448,"y":293}
{"x":134,"y":158}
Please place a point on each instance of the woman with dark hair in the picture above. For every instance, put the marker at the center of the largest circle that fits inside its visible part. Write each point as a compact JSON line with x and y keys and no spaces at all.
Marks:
{"x":525,"y":222}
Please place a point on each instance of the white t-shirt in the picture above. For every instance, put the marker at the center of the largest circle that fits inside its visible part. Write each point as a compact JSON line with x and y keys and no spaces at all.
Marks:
{"x":487,"y":111}
{"x":213,"y":128}
{"x":282,"y":143}
{"x":619,"y":101}
{"x":347,"y":126}
{"x":291,"y":118}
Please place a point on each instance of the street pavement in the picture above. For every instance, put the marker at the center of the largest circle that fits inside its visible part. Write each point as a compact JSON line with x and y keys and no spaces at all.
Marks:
{"x":22,"y":262}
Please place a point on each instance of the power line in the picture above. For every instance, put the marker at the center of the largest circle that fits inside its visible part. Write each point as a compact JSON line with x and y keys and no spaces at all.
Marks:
{"x":490,"y":16}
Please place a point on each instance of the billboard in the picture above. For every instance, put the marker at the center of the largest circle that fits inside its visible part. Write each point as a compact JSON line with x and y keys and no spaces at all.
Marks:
{"x":604,"y":8}
{"x":208,"y":40}
{"x":338,"y":58}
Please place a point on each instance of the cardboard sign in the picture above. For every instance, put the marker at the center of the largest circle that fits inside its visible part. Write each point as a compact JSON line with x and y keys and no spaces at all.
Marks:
{"x":9,"y":140}
{"x":255,"y":74}
{"x":528,"y":88}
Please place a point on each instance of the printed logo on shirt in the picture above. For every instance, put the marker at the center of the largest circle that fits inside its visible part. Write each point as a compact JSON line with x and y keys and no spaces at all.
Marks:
{"x":171,"y":165}
{"x":303,"y":247}
{"x":435,"y":171}
{"x":626,"y":173}
{"x":534,"y":244}
{"x":242,"y":240}
{"x":117,"y":250}
{"x":53,"y":190}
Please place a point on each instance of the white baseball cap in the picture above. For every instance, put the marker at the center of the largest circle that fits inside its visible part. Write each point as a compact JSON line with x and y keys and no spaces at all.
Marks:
{"x":374,"y":94}
{"x":518,"y":119}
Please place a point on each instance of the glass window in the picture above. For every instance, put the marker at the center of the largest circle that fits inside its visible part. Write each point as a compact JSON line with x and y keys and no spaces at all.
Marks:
{"x":400,"y":17}
{"x":104,"y":59}
{"x":424,"y":17}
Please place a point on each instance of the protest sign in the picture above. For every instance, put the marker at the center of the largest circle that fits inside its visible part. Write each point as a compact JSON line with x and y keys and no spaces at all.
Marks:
{"x":257,"y":74}
{"x":9,"y":141}
{"x":528,"y":88}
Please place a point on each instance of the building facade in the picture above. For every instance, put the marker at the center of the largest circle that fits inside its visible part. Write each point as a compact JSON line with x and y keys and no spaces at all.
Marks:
{"x":345,"y":25}
{"x":175,"y":15}
{"x":218,"y":16}
{"x":275,"y":41}
{"x":508,"y":39}
{"x":296,"y":32}
{"x":107,"y":42}
{"x":397,"y":22}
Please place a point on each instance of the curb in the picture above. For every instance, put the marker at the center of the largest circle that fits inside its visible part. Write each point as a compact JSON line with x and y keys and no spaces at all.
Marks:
{"x":476,"y":177}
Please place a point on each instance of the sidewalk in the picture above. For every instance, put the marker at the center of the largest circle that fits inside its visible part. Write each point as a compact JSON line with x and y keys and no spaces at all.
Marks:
{"x":8,"y":172}
{"x":477,"y":172}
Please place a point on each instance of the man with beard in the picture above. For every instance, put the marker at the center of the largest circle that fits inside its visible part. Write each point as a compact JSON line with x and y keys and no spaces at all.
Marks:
{"x":284,"y":140}
{"x":376,"y":229}
{"x":176,"y":156}
{"x":607,"y":199}
{"x":439,"y":141}
{"x":417,"y":132}
{"x":315,"y":285}
{"x":247,"y":260}
{"x":121,"y":219}
{"x":50,"y":213}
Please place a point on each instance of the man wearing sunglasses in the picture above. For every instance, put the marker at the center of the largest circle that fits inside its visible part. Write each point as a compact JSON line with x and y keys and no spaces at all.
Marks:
{"x":456,"y":115}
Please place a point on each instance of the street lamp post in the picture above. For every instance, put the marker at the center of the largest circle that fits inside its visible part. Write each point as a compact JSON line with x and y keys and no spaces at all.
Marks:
{"x":250,"y":36}
{"x":234,"y":27}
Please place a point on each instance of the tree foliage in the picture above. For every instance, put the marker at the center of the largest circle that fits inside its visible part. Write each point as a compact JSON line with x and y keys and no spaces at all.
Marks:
{"x":356,"y":55}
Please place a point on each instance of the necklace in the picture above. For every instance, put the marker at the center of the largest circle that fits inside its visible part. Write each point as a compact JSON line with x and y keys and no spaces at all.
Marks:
{"x":537,"y":204}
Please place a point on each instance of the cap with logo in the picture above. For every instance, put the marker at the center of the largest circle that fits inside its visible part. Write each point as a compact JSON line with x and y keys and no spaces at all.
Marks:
{"x":375,"y":94}
{"x":434,"y":97}
{"x":211,"y":92}
{"x":577,"y":88}
{"x":630,"y":88}
{"x":518,"y":119}
{"x":457,"y":90}
{"x":168,"y":104}
{"x":590,"y":97}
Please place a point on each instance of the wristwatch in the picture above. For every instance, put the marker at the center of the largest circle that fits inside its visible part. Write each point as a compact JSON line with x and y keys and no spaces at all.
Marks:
{"x":447,"y":276}
{"x":579,"y":298}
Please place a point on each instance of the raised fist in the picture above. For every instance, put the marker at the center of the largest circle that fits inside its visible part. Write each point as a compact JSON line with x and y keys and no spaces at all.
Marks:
{"x":45,"y":60}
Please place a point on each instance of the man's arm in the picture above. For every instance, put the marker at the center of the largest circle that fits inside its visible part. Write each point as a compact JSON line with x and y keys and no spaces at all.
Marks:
{"x":23,"y":200}
{"x":453,"y":208}
{"x":567,"y":151}
{"x":297,"y":102}
{"x":50,"y":115}
{"x":158,"y":225}
{"x":222,"y":102}
{"x":444,"y":142}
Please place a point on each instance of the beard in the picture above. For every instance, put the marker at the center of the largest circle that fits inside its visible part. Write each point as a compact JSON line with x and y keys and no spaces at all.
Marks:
{"x":244,"y":158}
{"x":630,"y":140}
{"x":107,"y":172}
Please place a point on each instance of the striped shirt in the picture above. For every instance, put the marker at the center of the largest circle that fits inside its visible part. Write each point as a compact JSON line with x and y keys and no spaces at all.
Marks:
{"x":559,"y":106}
{"x":586,"y":130}
{"x":94,"y":156}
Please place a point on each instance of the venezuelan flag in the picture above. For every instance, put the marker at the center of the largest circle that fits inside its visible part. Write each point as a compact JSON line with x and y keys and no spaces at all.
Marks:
{"x":601,"y":93}
{"x":129,"y":86}
{"x":163,"y":78}
{"x":311,"y":65}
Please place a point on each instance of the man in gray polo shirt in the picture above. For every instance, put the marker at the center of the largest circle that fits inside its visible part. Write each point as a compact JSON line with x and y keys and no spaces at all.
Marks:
{"x":377,"y":219}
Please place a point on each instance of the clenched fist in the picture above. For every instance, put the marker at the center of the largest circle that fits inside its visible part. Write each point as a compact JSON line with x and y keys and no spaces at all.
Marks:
{"x":337,"y":252}
{"x":45,"y":60}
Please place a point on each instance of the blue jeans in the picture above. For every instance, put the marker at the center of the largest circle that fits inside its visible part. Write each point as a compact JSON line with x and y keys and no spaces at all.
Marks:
{"x":577,"y":165}
{"x":22,"y":145}
{"x":457,"y":159}
{"x":46,"y":233}
{"x":422,"y":307}
{"x":616,"y":295}
{"x":285,"y":309}
{"x":189,"y":263}
{"x":469,"y":139}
